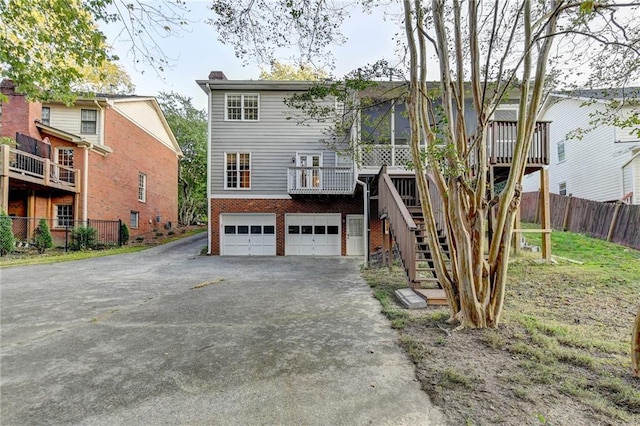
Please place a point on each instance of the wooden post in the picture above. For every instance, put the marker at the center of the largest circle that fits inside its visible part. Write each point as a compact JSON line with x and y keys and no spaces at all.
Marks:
{"x":4,"y":179}
{"x":516,"y":235}
{"x":565,"y":219}
{"x":384,"y":242}
{"x":545,"y":214}
{"x":614,"y":221}
{"x":390,"y":246}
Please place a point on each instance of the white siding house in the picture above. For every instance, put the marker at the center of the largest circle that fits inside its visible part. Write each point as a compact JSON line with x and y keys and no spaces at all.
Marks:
{"x":590,"y":167}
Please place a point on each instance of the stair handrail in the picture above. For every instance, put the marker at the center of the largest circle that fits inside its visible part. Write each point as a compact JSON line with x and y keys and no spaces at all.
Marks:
{"x":401,"y":224}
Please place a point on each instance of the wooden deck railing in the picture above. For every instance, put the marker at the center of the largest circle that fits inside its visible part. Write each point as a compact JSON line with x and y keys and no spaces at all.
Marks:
{"x":27,"y":167}
{"x":401,"y":224}
{"x":321,"y":180}
{"x":502,"y":137}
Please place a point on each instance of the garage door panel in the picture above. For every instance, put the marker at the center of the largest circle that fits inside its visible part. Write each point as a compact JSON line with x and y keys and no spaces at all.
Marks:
{"x":245,"y":235}
{"x":313,"y":234}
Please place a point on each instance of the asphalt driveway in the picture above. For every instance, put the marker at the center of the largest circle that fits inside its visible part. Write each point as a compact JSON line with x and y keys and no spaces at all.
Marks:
{"x":165,"y":336}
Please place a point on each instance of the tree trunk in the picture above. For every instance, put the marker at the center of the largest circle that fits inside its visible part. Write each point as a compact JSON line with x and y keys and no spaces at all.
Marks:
{"x":635,"y":346}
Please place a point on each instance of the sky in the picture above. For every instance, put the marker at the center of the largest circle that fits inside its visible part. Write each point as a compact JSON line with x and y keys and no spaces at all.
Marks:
{"x":196,"y":51}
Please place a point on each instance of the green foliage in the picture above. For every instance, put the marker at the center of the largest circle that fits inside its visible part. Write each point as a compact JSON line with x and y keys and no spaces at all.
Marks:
{"x":5,"y":140}
{"x":84,"y":238}
{"x":124,"y":233}
{"x":189,"y":125}
{"x":42,"y":236}
{"x":7,"y":239}
{"x":45,"y":43}
{"x":289,"y":72}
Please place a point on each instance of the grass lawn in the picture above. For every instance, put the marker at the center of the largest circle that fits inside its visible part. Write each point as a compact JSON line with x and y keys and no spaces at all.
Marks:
{"x":53,"y":255}
{"x":561,"y":354}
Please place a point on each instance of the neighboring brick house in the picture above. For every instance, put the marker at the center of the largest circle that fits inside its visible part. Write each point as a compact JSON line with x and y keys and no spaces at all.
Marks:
{"x":110,"y":157}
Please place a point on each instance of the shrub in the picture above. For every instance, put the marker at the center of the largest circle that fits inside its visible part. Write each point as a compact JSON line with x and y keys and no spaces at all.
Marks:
{"x":83,"y":238}
{"x":124,"y":233}
{"x":42,"y":236}
{"x":7,"y":240}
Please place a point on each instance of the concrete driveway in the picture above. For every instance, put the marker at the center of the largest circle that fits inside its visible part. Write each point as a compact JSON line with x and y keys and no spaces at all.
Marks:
{"x":166,"y":336}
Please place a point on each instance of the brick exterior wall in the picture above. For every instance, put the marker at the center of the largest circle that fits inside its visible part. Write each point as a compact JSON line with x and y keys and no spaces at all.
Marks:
{"x":18,"y":114}
{"x":344,"y":206}
{"x":112,"y":179}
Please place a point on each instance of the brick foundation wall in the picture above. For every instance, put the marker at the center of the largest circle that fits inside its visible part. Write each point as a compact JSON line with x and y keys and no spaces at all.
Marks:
{"x":344,"y":206}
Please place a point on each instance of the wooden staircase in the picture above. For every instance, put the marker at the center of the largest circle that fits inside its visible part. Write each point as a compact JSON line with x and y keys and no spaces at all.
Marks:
{"x":399,"y":201}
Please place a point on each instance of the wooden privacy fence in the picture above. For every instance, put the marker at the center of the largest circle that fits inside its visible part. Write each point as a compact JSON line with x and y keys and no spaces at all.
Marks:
{"x":615,"y":222}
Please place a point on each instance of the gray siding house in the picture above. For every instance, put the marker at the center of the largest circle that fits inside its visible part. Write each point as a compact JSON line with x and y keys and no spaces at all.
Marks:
{"x":274,"y":185}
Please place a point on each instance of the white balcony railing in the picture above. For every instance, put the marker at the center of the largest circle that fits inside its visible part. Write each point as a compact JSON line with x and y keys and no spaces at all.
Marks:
{"x":21,"y":165}
{"x":321,"y":180}
{"x":386,"y":155}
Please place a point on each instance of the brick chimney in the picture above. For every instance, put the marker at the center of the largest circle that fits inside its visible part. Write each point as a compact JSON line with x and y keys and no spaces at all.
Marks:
{"x":18,"y":114}
{"x":217,"y":75}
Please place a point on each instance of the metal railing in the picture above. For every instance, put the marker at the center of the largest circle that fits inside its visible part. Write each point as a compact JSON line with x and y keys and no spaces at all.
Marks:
{"x":321,"y":180}
{"x":107,"y":232}
{"x":22,"y":165}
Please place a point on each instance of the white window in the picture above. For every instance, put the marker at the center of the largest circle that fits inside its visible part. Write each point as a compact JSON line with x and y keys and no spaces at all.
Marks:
{"x":562,"y":188}
{"x":561,"y":152}
{"x":237,"y":166}
{"x":65,"y":158}
{"x":133,"y":220}
{"x":142,"y":187}
{"x":89,"y":121}
{"x":242,"y":107}
{"x":46,"y":115}
{"x":64,"y":215}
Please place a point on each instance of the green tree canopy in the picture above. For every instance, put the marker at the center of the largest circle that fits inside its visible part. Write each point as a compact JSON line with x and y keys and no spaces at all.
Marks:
{"x":283,"y":71}
{"x":189,"y":125}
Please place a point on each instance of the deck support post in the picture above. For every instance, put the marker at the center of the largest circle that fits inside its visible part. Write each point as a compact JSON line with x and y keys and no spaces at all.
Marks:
{"x":545,"y":214}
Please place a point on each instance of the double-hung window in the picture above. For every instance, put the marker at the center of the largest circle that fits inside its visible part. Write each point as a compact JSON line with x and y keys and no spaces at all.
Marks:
{"x":65,"y":158}
{"x":64,"y":215}
{"x":142,"y":187}
{"x":562,"y":188}
{"x":89,"y":121}
{"x":46,"y":115}
{"x":134,"y":219}
{"x":237,"y":166}
{"x":561,"y":152}
{"x":242,"y":107}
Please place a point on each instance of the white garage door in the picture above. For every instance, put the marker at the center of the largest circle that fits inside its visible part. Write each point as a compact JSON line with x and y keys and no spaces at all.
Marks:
{"x":313,"y":234}
{"x":247,"y":234}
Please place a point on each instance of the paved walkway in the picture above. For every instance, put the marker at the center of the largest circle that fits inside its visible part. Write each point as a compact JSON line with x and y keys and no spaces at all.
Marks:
{"x":165,"y":336}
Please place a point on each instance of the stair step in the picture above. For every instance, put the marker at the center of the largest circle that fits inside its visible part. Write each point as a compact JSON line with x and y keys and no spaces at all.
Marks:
{"x":425,"y":269}
{"x":432,"y":296}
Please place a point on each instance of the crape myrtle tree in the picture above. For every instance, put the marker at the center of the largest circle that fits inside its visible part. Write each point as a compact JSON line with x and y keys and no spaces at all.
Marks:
{"x":479,"y":51}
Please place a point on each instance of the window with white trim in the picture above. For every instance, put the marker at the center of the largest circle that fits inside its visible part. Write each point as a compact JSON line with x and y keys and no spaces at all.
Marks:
{"x":142,"y":187}
{"x":46,"y":116}
{"x":237,"y":166}
{"x":561,"y":152}
{"x":65,"y":158}
{"x":242,"y":107}
{"x":562,"y":188}
{"x":89,"y":121}
{"x":134,"y":219}
{"x":64,"y":215}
